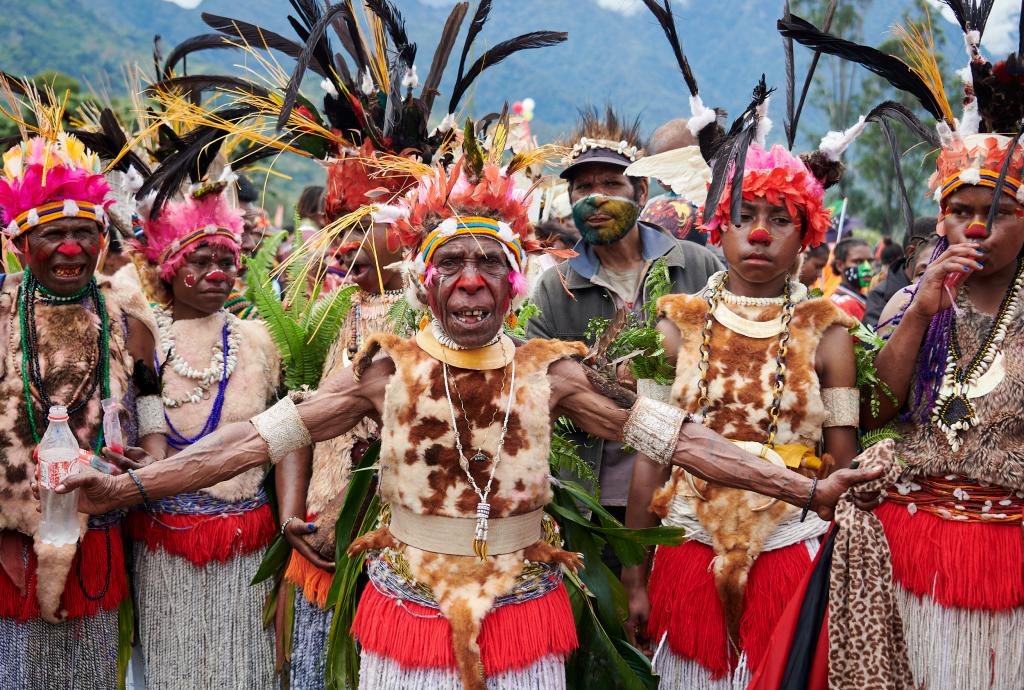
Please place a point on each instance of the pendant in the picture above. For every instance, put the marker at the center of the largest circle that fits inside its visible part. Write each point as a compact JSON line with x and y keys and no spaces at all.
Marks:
{"x":479,"y":457}
{"x":483,"y":512}
{"x":954,"y":414}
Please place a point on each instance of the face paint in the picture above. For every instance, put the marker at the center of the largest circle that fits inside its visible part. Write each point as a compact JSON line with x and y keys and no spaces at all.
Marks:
{"x":216,"y":276}
{"x":69,"y":249}
{"x":471,"y":281}
{"x":860,"y":274}
{"x":759,"y":235}
{"x":976,"y":231}
{"x":604,"y":219}
{"x":190,"y":280}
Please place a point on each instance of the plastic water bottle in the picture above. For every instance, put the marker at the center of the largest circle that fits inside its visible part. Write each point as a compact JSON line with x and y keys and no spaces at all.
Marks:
{"x":112,"y":435}
{"x":58,"y":457}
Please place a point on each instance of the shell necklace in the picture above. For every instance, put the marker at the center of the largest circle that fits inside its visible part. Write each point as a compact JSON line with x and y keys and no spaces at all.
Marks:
{"x":483,"y":507}
{"x":953,"y":412}
{"x":222,"y":363}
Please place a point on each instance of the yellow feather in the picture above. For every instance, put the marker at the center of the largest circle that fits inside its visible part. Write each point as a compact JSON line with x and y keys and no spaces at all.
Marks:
{"x":919,"y":45}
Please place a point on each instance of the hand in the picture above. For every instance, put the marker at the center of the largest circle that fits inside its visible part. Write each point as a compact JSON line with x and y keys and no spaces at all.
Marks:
{"x":134,"y":458}
{"x":868,"y":500}
{"x":639,"y":613}
{"x":624,"y":376}
{"x":932,"y":296}
{"x":295,"y":533}
{"x":829,"y":490}
{"x":99,"y":492}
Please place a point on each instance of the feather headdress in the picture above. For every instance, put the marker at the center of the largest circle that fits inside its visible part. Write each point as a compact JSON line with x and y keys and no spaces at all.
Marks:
{"x":51,"y":175}
{"x":370,"y":108}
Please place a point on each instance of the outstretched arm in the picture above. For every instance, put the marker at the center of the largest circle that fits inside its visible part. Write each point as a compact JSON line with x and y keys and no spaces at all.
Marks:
{"x":237,"y":447}
{"x":699,"y":450}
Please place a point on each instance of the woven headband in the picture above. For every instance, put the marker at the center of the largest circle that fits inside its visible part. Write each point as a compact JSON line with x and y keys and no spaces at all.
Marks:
{"x":54,"y":211}
{"x":986,"y":178}
{"x":472,"y":225}
{"x":179,"y":245}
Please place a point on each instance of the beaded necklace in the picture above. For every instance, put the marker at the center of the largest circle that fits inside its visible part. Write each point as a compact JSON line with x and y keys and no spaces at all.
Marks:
{"x":177,"y":440}
{"x":953,"y":412}
{"x":31,"y":372}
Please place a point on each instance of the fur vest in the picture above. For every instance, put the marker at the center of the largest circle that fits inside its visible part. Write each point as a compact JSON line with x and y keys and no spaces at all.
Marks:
{"x":67,"y":359}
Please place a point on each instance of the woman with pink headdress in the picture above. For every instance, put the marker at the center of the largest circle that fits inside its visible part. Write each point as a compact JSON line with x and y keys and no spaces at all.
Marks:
{"x":200,"y":621}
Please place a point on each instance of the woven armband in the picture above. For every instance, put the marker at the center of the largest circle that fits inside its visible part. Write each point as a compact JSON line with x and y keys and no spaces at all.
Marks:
{"x":842,"y":407}
{"x":149,"y":412}
{"x":653,"y":429}
{"x":282,"y":428}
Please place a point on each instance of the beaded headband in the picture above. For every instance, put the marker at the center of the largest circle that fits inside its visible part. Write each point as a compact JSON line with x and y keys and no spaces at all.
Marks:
{"x":451,"y":228}
{"x":179,"y":245}
{"x":55,"y":210}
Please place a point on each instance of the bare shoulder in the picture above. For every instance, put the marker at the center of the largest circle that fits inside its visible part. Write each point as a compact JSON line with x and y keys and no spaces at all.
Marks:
{"x":897,"y":303}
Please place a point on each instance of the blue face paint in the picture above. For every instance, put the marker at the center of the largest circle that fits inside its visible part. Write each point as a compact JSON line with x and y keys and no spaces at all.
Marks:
{"x":604,"y":219}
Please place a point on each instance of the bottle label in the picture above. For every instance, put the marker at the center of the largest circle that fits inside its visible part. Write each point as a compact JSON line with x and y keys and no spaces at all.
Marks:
{"x":54,"y":466}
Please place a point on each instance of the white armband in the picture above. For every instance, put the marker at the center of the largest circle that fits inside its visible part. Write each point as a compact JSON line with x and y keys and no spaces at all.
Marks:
{"x":149,"y":414}
{"x":653,"y":429}
{"x":282,"y":429}
{"x":842,"y":407}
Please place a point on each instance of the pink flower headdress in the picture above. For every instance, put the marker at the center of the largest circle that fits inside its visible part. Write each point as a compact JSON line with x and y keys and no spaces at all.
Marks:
{"x":184,"y":225}
{"x":45,"y":179}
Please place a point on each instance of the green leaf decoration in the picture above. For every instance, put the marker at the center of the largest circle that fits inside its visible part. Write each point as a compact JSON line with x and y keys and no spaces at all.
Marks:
{"x":274,"y":560}
{"x":304,"y":326}
{"x":125,"y":636}
{"x":342,"y":669}
{"x":867,"y":344}
{"x":403,"y":317}
{"x":526,"y":312}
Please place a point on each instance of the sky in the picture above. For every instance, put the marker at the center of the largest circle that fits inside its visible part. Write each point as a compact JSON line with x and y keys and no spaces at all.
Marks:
{"x":1000,"y":36}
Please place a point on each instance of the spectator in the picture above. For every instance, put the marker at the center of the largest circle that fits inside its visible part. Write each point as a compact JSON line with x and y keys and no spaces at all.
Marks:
{"x":900,"y":273}
{"x":814,"y":261}
{"x":852,"y":262}
{"x":616,"y":253}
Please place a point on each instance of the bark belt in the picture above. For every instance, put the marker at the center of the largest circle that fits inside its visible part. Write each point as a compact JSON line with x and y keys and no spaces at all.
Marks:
{"x":454,"y":535}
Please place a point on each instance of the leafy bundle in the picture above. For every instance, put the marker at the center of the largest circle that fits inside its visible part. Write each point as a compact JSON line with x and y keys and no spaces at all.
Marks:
{"x":639,"y":341}
{"x":866,"y":347}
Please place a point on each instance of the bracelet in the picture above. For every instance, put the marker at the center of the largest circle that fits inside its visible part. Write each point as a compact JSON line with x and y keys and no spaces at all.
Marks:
{"x":149,"y":413}
{"x":138,"y":483}
{"x":281,"y":427}
{"x":284,"y":524}
{"x":653,"y":429}
{"x":810,"y":499}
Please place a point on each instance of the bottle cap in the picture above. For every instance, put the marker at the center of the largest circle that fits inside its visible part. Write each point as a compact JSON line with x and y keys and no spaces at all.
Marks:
{"x":58,"y":413}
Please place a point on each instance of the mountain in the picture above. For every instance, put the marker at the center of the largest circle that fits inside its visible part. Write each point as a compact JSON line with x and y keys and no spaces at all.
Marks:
{"x":617,"y":56}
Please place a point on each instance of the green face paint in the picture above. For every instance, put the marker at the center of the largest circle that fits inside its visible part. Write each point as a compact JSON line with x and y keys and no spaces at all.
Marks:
{"x":604,"y":219}
{"x":865,"y":273}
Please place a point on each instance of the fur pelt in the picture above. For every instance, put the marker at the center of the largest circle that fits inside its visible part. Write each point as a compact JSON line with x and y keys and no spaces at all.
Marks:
{"x":420,"y":470}
{"x":740,"y":374}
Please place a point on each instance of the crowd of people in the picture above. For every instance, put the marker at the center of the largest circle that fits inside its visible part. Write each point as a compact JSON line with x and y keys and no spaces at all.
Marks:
{"x":462,"y":422}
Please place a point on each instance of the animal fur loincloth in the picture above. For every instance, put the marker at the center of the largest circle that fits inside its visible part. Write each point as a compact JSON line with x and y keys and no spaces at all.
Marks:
{"x":420,"y":471}
{"x":67,"y":357}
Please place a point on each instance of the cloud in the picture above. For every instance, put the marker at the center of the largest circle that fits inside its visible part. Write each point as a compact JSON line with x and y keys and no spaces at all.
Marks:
{"x":187,"y":4}
{"x":1000,"y":37}
{"x":626,"y":7}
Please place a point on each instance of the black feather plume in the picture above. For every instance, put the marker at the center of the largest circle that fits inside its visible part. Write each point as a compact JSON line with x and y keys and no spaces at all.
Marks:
{"x":787,"y":48}
{"x":971,"y":15}
{"x":445,"y":44}
{"x":663,"y":13}
{"x":313,"y":42}
{"x":110,"y":142}
{"x":483,"y":10}
{"x":830,"y":12}
{"x":891,"y":68}
{"x":258,"y":37}
{"x":192,"y":45}
{"x":897,"y":112}
{"x":534,"y":39}
{"x":1001,"y":182}
{"x":394,"y":24}
{"x":158,"y":56}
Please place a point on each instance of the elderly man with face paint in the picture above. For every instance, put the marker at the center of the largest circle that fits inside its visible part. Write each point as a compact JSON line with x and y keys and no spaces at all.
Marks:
{"x":465,"y":569}
{"x":614,"y":259}
{"x":69,"y":339}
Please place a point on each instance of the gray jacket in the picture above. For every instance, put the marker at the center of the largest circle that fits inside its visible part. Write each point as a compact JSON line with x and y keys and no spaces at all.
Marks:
{"x":689,"y":265}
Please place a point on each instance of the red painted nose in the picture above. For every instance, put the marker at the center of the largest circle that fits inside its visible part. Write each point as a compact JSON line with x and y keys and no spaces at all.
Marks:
{"x":976,"y":231}
{"x":470,"y":281}
{"x":759,"y":236}
{"x":216,"y":276}
{"x":69,"y":249}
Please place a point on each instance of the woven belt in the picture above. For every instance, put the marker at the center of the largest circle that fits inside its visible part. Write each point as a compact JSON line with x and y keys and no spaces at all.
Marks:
{"x":454,"y":535}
